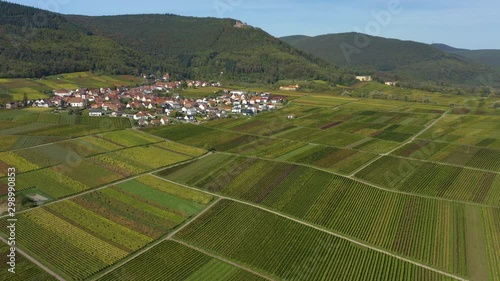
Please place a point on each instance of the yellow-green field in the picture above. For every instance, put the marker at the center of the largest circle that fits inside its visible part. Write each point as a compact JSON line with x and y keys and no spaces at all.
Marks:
{"x":14,"y":89}
{"x":413,"y":94}
{"x":202,"y":91}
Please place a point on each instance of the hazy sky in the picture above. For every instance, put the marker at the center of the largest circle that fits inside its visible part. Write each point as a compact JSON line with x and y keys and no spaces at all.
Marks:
{"x":460,"y":23}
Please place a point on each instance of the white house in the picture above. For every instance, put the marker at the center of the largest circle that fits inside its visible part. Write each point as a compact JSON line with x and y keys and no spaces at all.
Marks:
{"x":140,"y":116}
{"x":76,"y":102}
{"x":63,"y":93}
{"x":40,"y":103}
{"x":237,"y":93}
{"x":364,"y":78}
{"x":253,"y":109}
{"x":191,"y":112}
{"x":236,"y":109}
{"x":96,"y":113}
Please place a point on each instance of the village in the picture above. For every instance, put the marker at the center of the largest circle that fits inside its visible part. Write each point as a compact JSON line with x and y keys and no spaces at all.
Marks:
{"x":159,"y":103}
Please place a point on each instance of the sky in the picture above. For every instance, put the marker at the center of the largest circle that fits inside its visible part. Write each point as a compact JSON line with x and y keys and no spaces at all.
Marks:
{"x":459,"y":23}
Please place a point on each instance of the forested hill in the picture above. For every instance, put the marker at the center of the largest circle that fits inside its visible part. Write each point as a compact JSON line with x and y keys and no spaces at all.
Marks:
{"x":391,"y":58}
{"x":488,"y":57}
{"x":35,"y":43}
{"x":207,"y":47}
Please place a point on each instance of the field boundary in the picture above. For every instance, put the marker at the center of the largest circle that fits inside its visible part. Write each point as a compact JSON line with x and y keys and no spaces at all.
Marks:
{"x":221,"y":259}
{"x":446,"y":164}
{"x":412,"y":139}
{"x":35,"y":261}
{"x":110,"y":184}
{"x":153,"y":244}
{"x":320,"y":229}
{"x":366,"y":182}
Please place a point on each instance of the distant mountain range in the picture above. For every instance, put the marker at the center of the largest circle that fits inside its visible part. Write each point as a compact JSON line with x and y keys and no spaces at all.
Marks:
{"x":186,"y":47}
{"x":392,"y":59}
{"x":488,"y":57}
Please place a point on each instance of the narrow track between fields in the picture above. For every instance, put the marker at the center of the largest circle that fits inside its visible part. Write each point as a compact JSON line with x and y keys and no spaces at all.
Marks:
{"x":170,"y":237}
{"x":36,"y":262}
{"x":222,"y":259}
{"x":320,"y":229}
{"x":400,"y":146}
{"x":109,"y":185}
{"x":366,"y":182}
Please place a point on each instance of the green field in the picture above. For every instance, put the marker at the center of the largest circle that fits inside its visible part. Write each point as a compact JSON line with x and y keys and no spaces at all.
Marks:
{"x":80,"y":237}
{"x":462,"y":155}
{"x":393,"y":221}
{"x":25,"y":269}
{"x":473,"y":130}
{"x":57,"y":159}
{"x":174,"y":261}
{"x":348,"y":189}
{"x":434,"y":180}
{"x":291,"y":251}
{"x":14,"y":89}
{"x":351,"y":125}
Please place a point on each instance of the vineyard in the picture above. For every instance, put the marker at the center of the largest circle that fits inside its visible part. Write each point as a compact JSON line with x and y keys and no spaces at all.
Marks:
{"x":462,"y":155}
{"x":84,"y":235}
{"x":350,"y":126}
{"x":76,"y":174}
{"x":129,"y":138}
{"x":48,"y":118}
{"x":23,"y":128}
{"x":308,"y":192}
{"x":393,"y":221}
{"x":435,"y":180}
{"x":292,"y":251}
{"x":15,"y":142}
{"x":338,"y":160}
{"x":66,"y":167}
{"x":25,"y":270}
{"x":470,"y":130}
{"x":329,"y":101}
{"x":173,"y":261}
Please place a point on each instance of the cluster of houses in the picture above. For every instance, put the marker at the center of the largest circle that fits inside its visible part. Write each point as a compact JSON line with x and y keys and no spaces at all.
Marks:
{"x":149,"y":105}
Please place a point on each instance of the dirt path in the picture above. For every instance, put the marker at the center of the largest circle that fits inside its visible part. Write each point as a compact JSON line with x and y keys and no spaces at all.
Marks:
{"x":400,"y":146}
{"x":111,"y":184}
{"x":154,"y":244}
{"x":323,"y":230}
{"x":367,"y":183}
{"x":222,"y":259}
{"x":48,"y":270}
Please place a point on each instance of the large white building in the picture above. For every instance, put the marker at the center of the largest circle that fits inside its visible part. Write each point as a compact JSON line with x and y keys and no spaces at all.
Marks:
{"x":364,"y":78}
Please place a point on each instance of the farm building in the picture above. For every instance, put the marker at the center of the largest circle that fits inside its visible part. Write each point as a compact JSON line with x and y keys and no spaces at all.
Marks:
{"x":364,"y":78}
